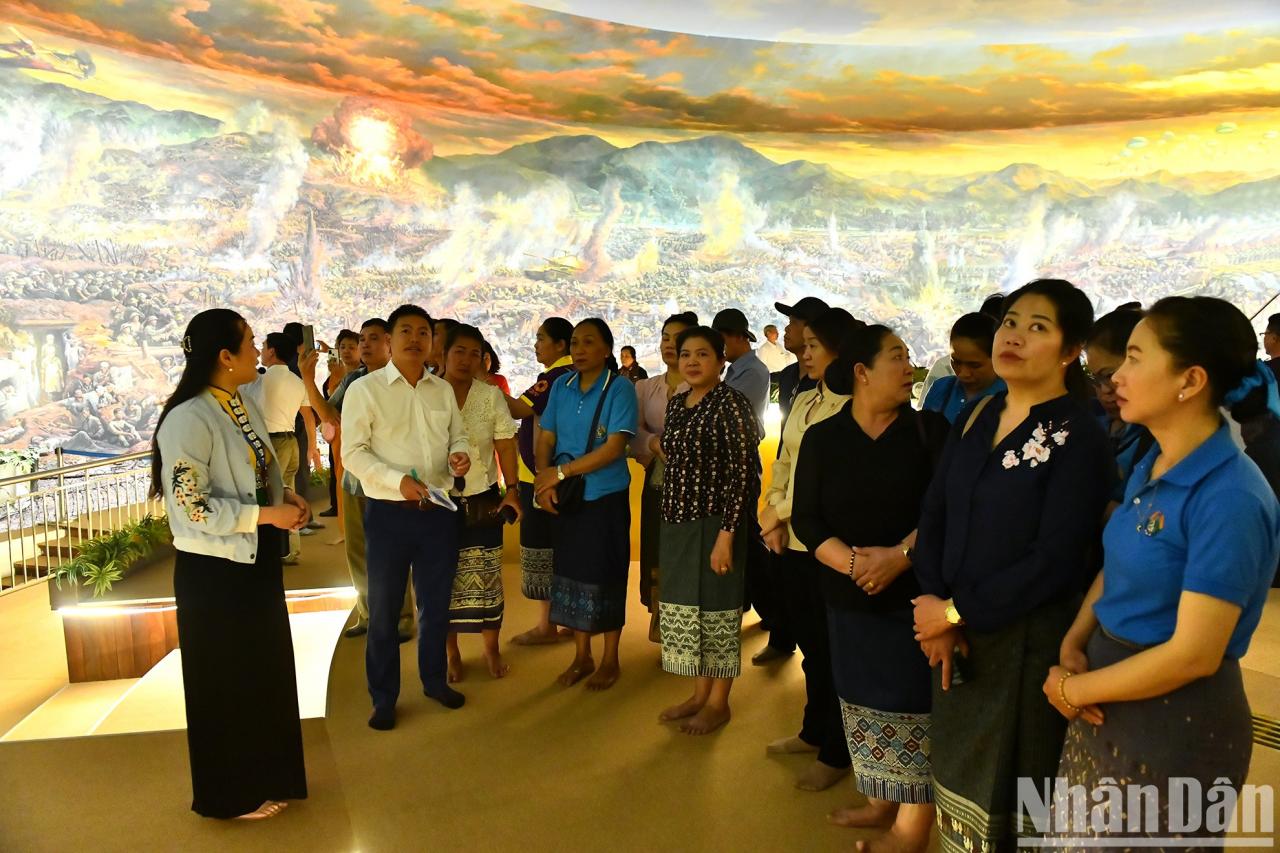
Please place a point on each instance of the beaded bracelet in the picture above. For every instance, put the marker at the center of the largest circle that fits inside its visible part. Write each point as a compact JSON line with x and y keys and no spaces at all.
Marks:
{"x":1062,"y":691}
{"x":852,"y":555}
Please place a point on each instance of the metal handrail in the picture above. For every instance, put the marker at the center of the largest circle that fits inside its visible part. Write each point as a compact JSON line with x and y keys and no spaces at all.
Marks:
{"x":64,"y":470}
{"x":38,"y":511}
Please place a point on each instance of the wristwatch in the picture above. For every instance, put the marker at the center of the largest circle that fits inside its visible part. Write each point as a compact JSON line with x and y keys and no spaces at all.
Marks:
{"x":559,"y":472}
{"x":953,"y":615}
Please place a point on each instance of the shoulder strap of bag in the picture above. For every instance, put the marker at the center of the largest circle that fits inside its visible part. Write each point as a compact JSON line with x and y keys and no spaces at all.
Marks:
{"x":977,"y":410}
{"x":595,"y":419}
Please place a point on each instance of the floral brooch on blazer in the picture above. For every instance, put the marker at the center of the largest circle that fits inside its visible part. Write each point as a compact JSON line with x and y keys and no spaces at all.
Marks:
{"x":1038,"y":448}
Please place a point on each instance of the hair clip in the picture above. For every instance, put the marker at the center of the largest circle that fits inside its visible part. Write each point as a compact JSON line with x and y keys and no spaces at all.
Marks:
{"x":186,"y":345}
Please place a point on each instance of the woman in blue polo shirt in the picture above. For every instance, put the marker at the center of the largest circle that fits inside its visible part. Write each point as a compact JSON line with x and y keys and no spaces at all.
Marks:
{"x":972,"y":338}
{"x":593,"y":549}
{"x":1150,"y":671}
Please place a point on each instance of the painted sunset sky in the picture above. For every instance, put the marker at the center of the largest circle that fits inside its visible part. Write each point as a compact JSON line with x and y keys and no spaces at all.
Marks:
{"x":1093,"y":88}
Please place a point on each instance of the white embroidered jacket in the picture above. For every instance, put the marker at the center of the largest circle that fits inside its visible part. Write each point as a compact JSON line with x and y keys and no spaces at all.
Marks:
{"x":210,"y":489}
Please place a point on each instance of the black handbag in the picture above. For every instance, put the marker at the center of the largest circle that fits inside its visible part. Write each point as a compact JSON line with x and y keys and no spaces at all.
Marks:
{"x":481,"y":511}
{"x":571,"y":492}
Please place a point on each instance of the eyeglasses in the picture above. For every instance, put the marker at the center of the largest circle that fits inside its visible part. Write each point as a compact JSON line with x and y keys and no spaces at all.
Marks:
{"x":1102,"y":379}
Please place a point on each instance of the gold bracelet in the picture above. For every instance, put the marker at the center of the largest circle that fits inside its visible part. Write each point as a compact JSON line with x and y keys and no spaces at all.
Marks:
{"x":852,"y":554}
{"x":1062,"y":692}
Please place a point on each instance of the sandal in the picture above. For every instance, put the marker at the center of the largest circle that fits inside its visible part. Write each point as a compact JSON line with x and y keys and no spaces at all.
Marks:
{"x":268,"y":809}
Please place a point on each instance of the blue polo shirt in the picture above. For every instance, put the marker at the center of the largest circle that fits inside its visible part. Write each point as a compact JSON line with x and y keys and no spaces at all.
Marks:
{"x":1211,"y":525}
{"x":948,"y":397}
{"x":568,"y":415}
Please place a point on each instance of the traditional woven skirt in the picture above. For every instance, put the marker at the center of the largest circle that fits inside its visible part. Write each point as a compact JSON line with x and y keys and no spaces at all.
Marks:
{"x":650,"y":534}
{"x":476,"y":602}
{"x":537,"y":547}
{"x":699,"y":611}
{"x":1201,"y":731}
{"x":243,"y":732}
{"x":885,"y":696}
{"x":996,"y":728}
{"x":592,"y":559}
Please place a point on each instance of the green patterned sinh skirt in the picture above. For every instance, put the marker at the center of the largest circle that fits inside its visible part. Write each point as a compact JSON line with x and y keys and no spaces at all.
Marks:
{"x":699,"y":611}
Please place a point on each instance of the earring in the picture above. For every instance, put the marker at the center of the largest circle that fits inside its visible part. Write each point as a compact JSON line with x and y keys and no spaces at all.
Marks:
{"x":1181,"y":396}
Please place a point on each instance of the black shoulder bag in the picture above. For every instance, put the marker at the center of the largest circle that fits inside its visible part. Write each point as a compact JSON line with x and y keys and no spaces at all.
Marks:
{"x":571,"y":491}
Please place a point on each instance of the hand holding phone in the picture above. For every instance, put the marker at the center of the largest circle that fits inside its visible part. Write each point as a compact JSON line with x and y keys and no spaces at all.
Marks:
{"x":308,"y":338}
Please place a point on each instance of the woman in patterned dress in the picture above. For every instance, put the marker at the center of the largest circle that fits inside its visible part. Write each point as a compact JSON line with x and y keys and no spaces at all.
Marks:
{"x":709,"y":441}
{"x":476,"y":604}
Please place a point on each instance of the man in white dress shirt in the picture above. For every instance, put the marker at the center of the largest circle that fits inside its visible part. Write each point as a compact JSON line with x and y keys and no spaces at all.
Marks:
{"x":402,"y":432}
{"x":281,"y":396}
{"x":774,"y":355}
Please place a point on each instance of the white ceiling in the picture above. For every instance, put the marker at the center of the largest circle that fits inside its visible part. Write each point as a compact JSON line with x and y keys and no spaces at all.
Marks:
{"x":924,"y":21}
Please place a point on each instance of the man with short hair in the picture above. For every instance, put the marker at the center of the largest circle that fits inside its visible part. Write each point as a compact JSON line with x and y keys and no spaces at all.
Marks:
{"x":282,"y":396}
{"x":404,"y":439}
{"x":791,"y":381}
{"x":746,"y":372}
{"x":773,"y":354}
{"x":375,"y":352}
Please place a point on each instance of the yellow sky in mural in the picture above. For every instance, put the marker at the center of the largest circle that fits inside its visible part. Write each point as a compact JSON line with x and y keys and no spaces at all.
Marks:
{"x":479,"y":75}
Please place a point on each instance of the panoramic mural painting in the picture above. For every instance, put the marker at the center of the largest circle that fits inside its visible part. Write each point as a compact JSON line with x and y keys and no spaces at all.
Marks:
{"x":500,"y":162}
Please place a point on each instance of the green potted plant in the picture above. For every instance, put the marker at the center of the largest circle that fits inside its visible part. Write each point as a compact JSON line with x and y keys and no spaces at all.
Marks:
{"x":105,"y":560}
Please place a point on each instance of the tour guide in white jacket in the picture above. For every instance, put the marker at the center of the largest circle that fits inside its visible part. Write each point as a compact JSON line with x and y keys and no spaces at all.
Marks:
{"x":402,"y":432}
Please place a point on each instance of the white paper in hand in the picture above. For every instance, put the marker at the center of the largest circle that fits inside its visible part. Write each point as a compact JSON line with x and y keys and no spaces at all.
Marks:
{"x":441,"y":498}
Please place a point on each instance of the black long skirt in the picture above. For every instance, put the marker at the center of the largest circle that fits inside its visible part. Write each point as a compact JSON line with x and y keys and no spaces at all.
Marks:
{"x":243,"y":732}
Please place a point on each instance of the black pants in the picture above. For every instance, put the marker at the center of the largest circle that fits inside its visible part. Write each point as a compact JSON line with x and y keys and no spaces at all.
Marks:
{"x":763,"y":591}
{"x":333,"y":482}
{"x":397,"y":537}
{"x":823,"y":725}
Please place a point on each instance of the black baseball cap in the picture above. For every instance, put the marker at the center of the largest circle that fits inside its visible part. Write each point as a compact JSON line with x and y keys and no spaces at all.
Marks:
{"x":806,"y":309}
{"x":734,"y":322}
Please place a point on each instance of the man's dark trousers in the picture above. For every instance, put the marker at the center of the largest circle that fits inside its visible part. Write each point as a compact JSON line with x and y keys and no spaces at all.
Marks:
{"x":399,"y":536}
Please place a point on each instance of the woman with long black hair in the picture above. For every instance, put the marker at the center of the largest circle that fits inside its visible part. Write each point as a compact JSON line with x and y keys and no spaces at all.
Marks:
{"x":228,"y":507}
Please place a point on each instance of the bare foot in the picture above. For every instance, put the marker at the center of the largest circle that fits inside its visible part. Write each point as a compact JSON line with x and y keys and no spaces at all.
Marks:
{"x":536,"y":637}
{"x":706,"y":721}
{"x":894,"y":842}
{"x":679,"y":712}
{"x":457,"y":671}
{"x":577,"y":671}
{"x":605,"y":677}
{"x":820,"y":777}
{"x":497,"y":668}
{"x":789,"y":746}
{"x":564,"y":632}
{"x":864,"y":817}
{"x":270,"y":808}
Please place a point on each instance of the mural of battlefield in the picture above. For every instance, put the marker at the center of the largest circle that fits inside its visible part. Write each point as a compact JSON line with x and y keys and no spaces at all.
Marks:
{"x":118,"y":222}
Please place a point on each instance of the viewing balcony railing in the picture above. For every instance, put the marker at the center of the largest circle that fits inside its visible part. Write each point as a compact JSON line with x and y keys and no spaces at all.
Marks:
{"x":47,"y":514}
